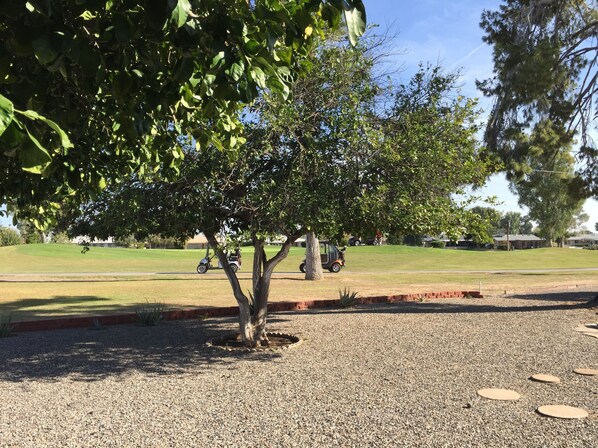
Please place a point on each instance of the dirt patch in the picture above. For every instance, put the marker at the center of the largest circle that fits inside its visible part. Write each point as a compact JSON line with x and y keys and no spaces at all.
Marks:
{"x":278,"y":341}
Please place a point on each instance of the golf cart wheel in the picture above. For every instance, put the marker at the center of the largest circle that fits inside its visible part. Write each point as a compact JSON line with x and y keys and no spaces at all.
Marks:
{"x":336,"y":267}
{"x":234,"y":267}
{"x":356,"y":243}
{"x":202,"y":268}
{"x":302,"y":267}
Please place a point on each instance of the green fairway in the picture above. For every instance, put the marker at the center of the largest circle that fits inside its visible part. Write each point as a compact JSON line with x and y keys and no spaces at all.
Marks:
{"x":38,"y":281}
{"x":59,"y":258}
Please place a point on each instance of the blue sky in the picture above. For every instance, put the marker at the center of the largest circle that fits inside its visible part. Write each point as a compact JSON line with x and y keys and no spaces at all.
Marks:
{"x":449,"y":33}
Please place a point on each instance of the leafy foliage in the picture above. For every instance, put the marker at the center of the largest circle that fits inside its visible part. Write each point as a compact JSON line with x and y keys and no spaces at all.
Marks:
{"x":9,"y":237}
{"x":544,"y":191}
{"x":29,"y":234}
{"x":366,"y":167}
{"x":545,"y":65}
{"x":95,"y":90}
{"x":328,"y":161}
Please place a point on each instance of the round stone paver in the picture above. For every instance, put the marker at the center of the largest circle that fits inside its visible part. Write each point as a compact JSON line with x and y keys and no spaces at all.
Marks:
{"x":499,"y":394}
{"x":560,"y":411}
{"x":587,"y":372}
{"x":543,"y":378}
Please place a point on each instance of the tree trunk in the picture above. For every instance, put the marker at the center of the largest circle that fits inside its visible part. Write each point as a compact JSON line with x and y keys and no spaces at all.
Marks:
{"x":313,"y":263}
{"x":253,"y":310}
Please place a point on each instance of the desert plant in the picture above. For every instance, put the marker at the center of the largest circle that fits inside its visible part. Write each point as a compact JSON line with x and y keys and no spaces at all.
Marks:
{"x":150,"y":313}
{"x":6,"y":326}
{"x":96,"y":324}
{"x":347,"y":298}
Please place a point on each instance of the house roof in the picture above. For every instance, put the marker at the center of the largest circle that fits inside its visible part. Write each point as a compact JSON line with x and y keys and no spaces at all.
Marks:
{"x":512,"y":238}
{"x":586,"y":237}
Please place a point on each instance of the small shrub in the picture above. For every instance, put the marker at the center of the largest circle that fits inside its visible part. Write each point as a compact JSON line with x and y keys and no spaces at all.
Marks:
{"x":9,"y":237}
{"x":438,"y":244}
{"x":347,"y":298}
{"x":6,"y":326}
{"x":96,"y":324}
{"x":60,"y":238}
{"x":150,"y":313}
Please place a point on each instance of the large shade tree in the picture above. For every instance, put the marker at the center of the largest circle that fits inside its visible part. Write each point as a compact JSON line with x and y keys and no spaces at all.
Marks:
{"x":329,"y":116}
{"x":544,"y":190}
{"x":93,"y":90}
{"x":393,"y":170}
{"x":545,"y":69}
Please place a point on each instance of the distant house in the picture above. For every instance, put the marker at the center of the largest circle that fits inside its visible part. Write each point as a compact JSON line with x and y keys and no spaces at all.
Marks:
{"x":81,"y":240}
{"x":300,"y":242}
{"x":518,"y":241}
{"x":582,"y":240}
{"x":197,"y":242}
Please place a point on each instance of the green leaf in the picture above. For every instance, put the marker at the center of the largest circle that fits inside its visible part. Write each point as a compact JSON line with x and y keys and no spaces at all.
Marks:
{"x":65,"y":142}
{"x":180,"y":13}
{"x":252,"y":47}
{"x":88,"y":15}
{"x":44,"y":52}
{"x":34,"y":157}
{"x":278,"y":87}
{"x":236,"y":70}
{"x":356,"y":20}
{"x":218,"y":60}
{"x":217,"y":143}
{"x":258,"y":76}
{"x":7,"y":113}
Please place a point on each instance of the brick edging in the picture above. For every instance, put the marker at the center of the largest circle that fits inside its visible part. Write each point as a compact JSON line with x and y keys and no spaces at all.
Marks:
{"x":194,"y":313}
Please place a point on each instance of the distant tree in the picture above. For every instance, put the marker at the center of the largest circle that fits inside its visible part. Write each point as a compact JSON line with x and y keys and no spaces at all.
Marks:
{"x":9,"y":237}
{"x":545,"y":69}
{"x":488,"y":226}
{"x":29,"y":233}
{"x":544,"y":190}
{"x":60,"y":238}
{"x":578,"y":222}
{"x":527,"y":226}
{"x":510,"y":223}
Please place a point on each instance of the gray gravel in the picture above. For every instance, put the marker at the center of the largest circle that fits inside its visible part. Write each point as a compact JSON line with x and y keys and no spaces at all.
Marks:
{"x":380,"y":376}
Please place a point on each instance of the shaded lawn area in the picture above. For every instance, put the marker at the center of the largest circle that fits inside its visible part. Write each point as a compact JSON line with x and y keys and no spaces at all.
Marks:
{"x":58,"y":258}
{"x":54,"y":297}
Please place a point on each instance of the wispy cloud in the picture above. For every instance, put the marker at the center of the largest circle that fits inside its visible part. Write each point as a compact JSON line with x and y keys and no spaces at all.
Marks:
{"x":465,"y":58}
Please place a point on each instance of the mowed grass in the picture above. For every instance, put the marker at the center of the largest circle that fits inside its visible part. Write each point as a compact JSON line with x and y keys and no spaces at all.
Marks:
{"x":90,"y":283}
{"x":61,"y":258}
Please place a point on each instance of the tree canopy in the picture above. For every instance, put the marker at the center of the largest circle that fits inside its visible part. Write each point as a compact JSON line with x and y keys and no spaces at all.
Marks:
{"x":545,"y":70}
{"x":545,"y":189}
{"x":329,"y":160}
{"x":93,"y":90}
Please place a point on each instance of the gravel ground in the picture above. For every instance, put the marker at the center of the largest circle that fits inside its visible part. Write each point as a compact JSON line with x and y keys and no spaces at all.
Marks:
{"x":381,"y":376}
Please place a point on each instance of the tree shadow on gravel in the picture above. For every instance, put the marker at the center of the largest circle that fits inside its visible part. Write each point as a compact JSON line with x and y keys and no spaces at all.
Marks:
{"x":173,"y":347}
{"x":569,"y":296}
{"x":476,"y":306}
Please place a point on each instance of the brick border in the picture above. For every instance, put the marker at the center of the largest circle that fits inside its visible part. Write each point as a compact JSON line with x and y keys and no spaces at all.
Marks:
{"x":194,"y":313}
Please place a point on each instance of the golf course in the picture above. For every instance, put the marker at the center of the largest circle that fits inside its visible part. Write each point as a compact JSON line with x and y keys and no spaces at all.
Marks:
{"x":51,"y":280}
